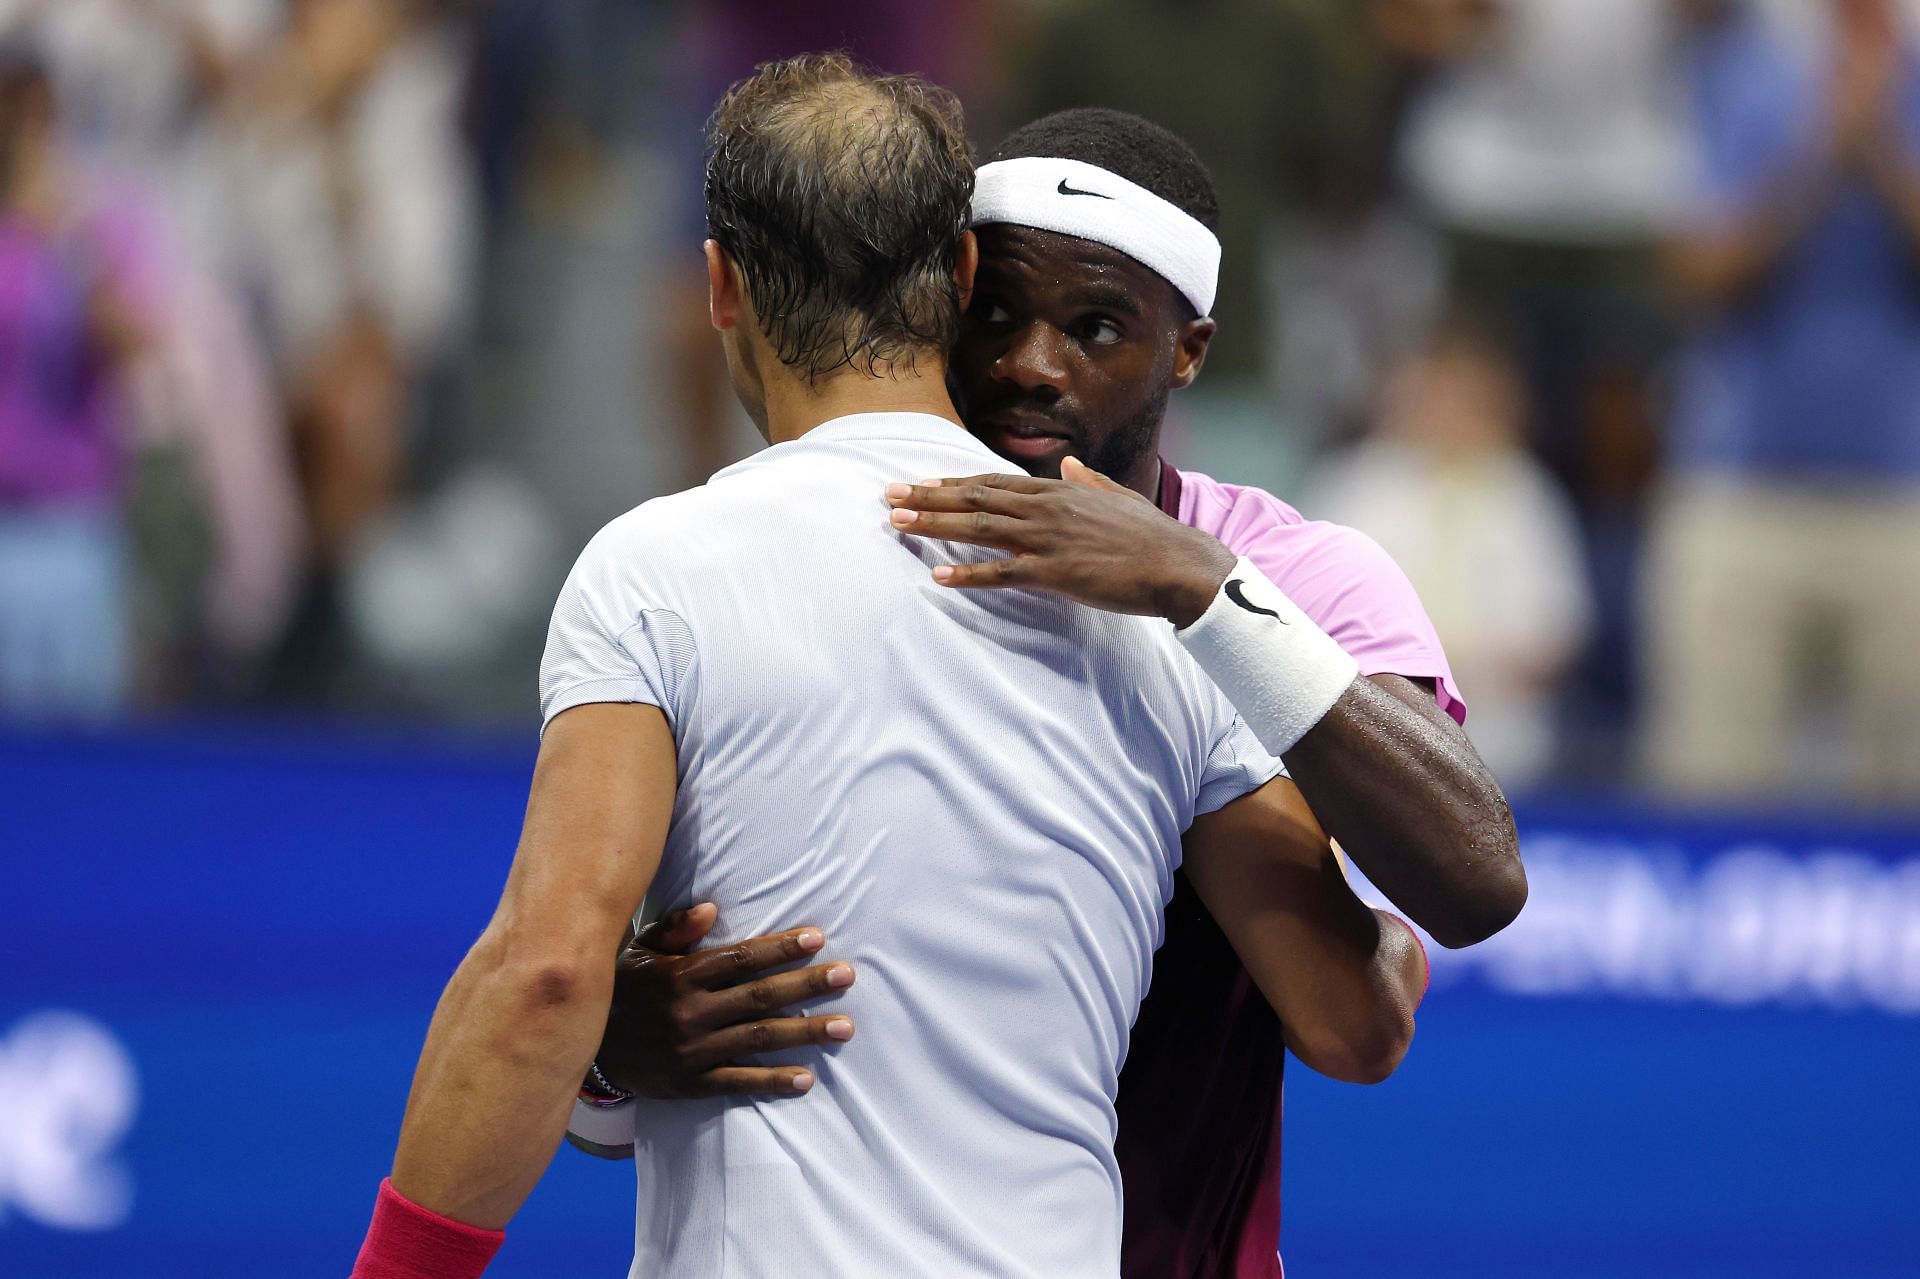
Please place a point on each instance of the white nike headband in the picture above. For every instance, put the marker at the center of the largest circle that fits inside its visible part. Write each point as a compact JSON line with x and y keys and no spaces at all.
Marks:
{"x":1072,"y":197}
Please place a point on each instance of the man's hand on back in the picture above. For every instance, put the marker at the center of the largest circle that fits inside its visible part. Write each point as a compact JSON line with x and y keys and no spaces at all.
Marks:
{"x":1084,"y":537}
{"x":680,"y":1020}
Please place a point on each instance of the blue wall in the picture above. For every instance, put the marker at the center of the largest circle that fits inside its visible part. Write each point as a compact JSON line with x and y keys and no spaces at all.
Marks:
{"x":1697,"y":1055}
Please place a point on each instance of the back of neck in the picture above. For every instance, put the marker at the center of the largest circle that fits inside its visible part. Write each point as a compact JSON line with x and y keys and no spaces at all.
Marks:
{"x":795,"y":407}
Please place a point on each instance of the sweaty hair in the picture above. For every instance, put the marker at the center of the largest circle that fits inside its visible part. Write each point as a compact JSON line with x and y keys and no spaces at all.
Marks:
{"x":1138,"y":150}
{"x":842,"y":195}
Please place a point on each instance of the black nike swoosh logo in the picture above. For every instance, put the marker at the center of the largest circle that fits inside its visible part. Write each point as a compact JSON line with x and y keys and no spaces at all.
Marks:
{"x":1233,"y":593}
{"x":1064,"y":189}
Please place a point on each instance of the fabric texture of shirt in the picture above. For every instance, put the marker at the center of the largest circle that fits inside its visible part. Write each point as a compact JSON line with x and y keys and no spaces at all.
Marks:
{"x":979,"y":796}
{"x":1816,"y":373}
{"x":1200,"y":1095}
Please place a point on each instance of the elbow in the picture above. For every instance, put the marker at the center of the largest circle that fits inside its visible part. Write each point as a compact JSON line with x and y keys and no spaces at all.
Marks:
{"x":551,"y":984}
{"x":1377,"y":1067}
{"x":1368,"y":1056}
{"x":546,"y":978}
{"x":1499,"y":888}
{"x":1495,"y":903}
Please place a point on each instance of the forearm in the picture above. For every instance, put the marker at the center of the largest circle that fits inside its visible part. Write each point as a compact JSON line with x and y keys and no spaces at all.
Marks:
{"x":1717,"y":267}
{"x":504,"y":1056}
{"x":1389,"y":777}
{"x":1335,"y":972}
{"x":1408,"y":799}
{"x":1371,"y":986}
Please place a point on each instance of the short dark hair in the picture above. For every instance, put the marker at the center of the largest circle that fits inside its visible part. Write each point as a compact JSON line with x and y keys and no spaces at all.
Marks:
{"x":843,"y":196}
{"x":1120,"y":142}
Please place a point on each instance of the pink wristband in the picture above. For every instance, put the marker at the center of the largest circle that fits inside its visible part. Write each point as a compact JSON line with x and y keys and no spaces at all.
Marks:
{"x":407,"y":1241}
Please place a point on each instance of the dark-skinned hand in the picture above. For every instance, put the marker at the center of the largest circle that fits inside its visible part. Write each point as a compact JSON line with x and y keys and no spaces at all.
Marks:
{"x":1082,"y":536}
{"x":681,"y":1018}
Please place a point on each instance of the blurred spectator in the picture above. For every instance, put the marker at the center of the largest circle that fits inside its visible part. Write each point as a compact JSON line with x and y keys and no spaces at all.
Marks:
{"x":1484,"y":532}
{"x":74,"y":316}
{"x":211,"y":498}
{"x":134,"y":76}
{"x":1356,"y":276}
{"x":1550,"y":153}
{"x":1788,"y":543}
{"x":349,"y":218}
{"x":1555,"y":126}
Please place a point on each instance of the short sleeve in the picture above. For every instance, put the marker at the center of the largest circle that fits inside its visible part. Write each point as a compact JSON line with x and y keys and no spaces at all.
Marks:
{"x":1354,"y":591}
{"x":1237,"y":764}
{"x":615,"y":638}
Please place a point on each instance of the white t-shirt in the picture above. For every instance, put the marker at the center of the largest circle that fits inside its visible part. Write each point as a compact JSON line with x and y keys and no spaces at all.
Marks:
{"x":978,"y":796}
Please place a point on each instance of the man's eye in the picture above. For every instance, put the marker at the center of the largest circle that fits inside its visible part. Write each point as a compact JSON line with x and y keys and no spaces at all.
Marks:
{"x":1100,"y":332}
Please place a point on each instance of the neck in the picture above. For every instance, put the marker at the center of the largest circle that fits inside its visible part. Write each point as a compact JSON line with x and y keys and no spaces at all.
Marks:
{"x":795,"y":407}
{"x":1145,"y":478}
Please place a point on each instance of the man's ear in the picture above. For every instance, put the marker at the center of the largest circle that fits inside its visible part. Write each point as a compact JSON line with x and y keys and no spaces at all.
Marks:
{"x":1190,"y":350}
{"x":966,"y":261}
{"x":723,"y":287}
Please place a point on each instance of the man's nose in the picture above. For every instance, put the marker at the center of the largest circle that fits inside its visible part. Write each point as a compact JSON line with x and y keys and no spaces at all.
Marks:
{"x":1034,"y":360}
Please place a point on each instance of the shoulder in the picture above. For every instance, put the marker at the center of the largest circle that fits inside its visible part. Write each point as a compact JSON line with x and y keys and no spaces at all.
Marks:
{"x":651,"y":550}
{"x":1337,"y":575}
{"x":1288,"y":547}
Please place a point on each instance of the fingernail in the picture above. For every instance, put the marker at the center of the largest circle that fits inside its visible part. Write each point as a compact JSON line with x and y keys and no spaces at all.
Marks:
{"x":929,"y":484}
{"x":897,"y":491}
{"x":811,"y":939}
{"x":839,"y":975}
{"x":802,"y":1080}
{"x":942,"y":573}
{"x":905,"y":516}
{"x":840,"y":1029}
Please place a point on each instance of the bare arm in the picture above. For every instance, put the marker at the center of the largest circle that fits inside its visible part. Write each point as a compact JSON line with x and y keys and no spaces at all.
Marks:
{"x":1396,"y":782}
{"x":1344,"y":979}
{"x":519,"y":1022}
{"x":1393,"y":779}
{"x":1716,"y":267}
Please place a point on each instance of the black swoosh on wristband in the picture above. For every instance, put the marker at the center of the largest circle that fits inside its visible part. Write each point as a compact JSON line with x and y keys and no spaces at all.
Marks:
{"x":1233,"y":593}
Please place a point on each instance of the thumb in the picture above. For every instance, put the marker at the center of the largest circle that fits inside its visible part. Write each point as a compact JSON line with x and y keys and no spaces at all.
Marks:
{"x":1078,"y":472}
{"x":678,"y":931}
{"x":1074,"y":471}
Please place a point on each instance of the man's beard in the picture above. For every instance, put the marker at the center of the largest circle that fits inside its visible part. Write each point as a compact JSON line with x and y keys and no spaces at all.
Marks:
{"x":1120,"y":453}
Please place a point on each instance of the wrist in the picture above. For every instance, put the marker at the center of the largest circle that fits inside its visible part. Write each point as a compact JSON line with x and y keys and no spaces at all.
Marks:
{"x":1195,"y":579}
{"x":407,"y":1241}
{"x":597,"y":1090}
{"x":1281,"y":672}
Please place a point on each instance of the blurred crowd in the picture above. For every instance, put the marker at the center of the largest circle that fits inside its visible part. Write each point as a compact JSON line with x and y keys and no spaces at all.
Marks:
{"x":329,"y":329}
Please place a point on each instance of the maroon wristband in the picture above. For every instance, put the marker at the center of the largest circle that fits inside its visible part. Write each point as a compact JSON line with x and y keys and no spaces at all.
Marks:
{"x":407,"y":1241}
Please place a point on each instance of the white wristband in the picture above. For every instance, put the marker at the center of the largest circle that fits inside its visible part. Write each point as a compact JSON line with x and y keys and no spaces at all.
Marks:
{"x":1280,"y":671}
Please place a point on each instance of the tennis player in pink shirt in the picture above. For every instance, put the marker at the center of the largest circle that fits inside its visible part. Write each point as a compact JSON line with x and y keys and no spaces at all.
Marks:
{"x":1098,"y":262}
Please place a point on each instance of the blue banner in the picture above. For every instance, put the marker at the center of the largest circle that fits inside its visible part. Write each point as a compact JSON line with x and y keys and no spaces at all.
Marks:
{"x":1694,"y":1055}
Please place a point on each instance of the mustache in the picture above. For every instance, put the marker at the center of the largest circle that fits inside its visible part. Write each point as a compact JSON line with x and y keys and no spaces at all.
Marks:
{"x":1032,"y":409}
